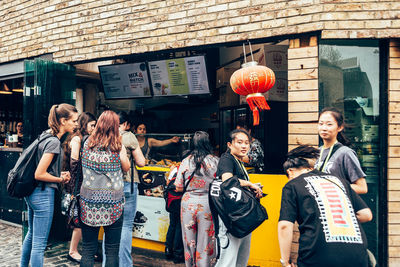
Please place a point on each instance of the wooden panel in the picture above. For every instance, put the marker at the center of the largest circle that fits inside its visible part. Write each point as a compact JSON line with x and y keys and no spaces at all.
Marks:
{"x":394,"y":140}
{"x":302,"y":116}
{"x":394,"y":152}
{"x":394,"y":84}
{"x":394,"y":252}
{"x":394,"y":62}
{"x":394,"y":229}
{"x":394,"y":196}
{"x":394,"y":74}
{"x":304,"y":140}
{"x":303,"y":63}
{"x":393,"y":174}
{"x":290,"y":147}
{"x":394,"y":43}
{"x":311,"y":95}
{"x":394,"y":206}
{"x":394,"y":262}
{"x":303,"y":128}
{"x":393,"y":52}
{"x":394,"y":218}
{"x":307,"y":106}
{"x":394,"y":185}
{"x":394,"y":163}
{"x":394,"y":95}
{"x":394,"y":118}
{"x":394,"y":240}
{"x":303,"y":85}
{"x":394,"y":107}
{"x":305,"y":74}
{"x":394,"y":129}
{"x":303,"y":52}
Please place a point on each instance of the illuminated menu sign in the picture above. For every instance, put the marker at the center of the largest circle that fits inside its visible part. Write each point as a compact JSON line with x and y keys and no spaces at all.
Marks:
{"x":125,"y":81}
{"x":181,"y":76}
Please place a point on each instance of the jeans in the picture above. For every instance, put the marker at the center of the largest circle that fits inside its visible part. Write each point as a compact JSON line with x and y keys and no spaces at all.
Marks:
{"x":40,"y":216}
{"x":234,"y":251}
{"x":125,"y":247}
{"x":112,"y":237}
{"x":174,"y":234}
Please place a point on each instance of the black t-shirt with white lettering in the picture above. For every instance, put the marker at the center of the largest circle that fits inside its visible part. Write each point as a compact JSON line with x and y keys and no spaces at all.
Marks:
{"x":227,"y":163}
{"x":324,"y":207}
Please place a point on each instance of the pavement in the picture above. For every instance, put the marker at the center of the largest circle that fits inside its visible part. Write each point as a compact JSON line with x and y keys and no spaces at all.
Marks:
{"x":55,"y":254}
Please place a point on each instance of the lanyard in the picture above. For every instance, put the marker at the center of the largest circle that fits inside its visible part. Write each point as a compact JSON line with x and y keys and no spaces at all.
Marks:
{"x":326,"y":159}
{"x":242,"y":168}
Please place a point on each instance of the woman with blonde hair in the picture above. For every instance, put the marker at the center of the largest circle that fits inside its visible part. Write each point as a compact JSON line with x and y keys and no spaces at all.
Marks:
{"x":104,"y":159}
{"x":62,"y":119}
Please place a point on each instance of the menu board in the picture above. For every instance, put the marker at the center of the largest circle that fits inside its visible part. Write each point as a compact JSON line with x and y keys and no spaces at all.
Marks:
{"x":125,"y":80}
{"x":180,"y":76}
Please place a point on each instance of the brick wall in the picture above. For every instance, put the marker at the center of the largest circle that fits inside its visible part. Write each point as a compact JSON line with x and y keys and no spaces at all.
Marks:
{"x":88,"y":29}
{"x":394,"y":154}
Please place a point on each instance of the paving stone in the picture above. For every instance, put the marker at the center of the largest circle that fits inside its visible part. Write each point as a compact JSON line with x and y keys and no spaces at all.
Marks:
{"x":55,"y":255}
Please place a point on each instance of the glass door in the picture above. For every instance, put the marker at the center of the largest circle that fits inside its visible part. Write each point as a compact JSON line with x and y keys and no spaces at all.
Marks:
{"x":45,"y":83}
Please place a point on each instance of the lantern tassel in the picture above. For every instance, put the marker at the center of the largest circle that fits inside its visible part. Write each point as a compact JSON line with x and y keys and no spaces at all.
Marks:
{"x":257,"y":101}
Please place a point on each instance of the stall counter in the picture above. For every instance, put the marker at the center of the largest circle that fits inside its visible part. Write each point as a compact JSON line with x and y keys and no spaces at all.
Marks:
{"x":264,"y":242}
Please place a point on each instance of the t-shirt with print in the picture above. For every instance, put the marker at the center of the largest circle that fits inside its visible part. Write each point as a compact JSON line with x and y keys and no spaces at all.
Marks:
{"x":325,"y":208}
{"x":343,"y":163}
{"x":131,"y":143}
{"x":200,"y":183}
{"x":228,"y":164}
{"x":51,"y":145}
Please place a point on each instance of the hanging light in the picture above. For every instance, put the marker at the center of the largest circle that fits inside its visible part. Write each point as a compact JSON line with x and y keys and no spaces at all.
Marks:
{"x":252,"y":80}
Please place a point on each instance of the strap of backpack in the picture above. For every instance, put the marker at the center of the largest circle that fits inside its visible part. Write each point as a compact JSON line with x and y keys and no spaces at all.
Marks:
{"x":332,"y":151}
{"x":187,"y":184}
{"x":132,"y":178}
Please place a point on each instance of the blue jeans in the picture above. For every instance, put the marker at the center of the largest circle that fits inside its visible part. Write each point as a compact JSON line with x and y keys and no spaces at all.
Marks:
{"x":125,"y":246}
{"x":40,"y":216}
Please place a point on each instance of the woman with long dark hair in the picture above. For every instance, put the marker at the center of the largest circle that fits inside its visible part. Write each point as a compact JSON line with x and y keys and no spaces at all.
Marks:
{"x":196,"y":172}
{"x":72,"y":163}
{"x":62,"y":119}
{"x":101,"y":199}
{"x":336,"y":157}
{"x":329,"y":214}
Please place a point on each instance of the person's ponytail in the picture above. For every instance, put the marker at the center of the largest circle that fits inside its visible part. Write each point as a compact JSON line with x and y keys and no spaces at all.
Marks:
{"x":56,"y":113}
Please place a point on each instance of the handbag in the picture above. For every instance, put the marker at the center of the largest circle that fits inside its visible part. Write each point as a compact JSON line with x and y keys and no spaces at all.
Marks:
{"x":70,"y":202}
{"x":173,"y":198}
{"x":237,"y":206}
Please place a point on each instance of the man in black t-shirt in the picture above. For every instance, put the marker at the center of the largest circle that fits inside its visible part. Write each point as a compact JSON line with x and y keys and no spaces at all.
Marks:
{"x":329,"y":214}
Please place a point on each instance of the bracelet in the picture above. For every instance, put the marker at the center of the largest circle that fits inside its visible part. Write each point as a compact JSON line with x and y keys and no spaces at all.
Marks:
{"x":62,"y":180}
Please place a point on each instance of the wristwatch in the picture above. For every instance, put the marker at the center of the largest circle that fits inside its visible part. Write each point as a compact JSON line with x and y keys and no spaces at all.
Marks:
{"x":284,"y":263}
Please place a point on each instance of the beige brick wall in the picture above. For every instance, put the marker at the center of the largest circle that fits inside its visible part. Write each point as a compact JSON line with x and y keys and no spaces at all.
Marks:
{"x":89,"y":29}
{"x":394,"y":154}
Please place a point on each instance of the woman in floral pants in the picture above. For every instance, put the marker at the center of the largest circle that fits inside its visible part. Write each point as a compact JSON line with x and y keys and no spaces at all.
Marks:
{"x":196,"y":219}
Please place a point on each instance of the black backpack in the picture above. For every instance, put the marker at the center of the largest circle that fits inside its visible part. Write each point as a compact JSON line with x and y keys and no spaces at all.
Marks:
{"x":237,"y":207}
{"x":21,"y":179}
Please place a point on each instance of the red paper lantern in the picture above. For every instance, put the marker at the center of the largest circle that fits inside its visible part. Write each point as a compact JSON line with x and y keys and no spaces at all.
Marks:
{"x":252,"y":81}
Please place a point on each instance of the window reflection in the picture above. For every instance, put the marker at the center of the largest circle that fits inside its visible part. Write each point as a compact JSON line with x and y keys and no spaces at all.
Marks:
{"x":349,"y":81}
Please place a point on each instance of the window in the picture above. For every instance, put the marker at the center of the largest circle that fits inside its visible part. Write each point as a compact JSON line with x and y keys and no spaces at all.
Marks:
{"x":349,"y":79}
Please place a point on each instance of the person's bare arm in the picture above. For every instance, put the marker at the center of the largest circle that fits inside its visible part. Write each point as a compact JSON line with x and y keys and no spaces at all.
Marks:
{"x":157,"y":143}
{"x":227,"y":175}
{"x":137,"y":155}
{"x":285,"y":237}
{"x":125,"y":164}
{"x":360,"y":186}
{"x":364,"y":215}
{"x":41,"y":173}
{"x":75,"y":147}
